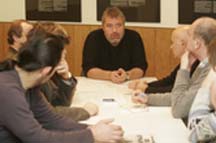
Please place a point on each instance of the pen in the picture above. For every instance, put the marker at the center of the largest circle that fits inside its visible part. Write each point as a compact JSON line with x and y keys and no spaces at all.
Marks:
{"x":108,"y":99}
{"x":142,"y":94}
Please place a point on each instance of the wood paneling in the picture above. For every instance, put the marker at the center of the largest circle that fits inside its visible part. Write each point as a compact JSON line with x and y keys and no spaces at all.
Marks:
{"x":3,"y":39}
{"x":148,"y":36}
{"x":156,"y":41}
{"x":164,"y":60}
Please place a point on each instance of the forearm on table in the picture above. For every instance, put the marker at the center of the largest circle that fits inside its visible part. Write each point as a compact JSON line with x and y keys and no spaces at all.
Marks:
{"x":74,"y":113}
{"x":135,"y":73}
{"x":159,"y":99}
{"x":65,"y":90}
{"x":98,"y":73}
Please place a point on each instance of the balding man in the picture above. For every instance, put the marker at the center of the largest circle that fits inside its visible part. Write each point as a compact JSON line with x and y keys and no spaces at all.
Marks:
{"x":201,"y":32}
{"x":179,"y":42}
{"x":202,"y":117}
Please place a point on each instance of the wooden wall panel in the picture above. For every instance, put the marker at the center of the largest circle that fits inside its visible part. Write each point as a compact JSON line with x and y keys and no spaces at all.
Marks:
{"x":78,"y":34}
{"x":70,"y":48}
{"x":156,"y":41}
{"x":148,"y":37}
{"x":164,"y":60}
{"x":3,"y":39}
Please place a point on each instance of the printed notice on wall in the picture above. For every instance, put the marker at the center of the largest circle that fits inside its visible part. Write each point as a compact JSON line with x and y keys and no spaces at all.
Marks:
{"x":203,"y":6}
{"x":134,"y":10}
{"x":127,"y":3}
{"x":45,"y":5}
{"x":52,"y":5}
{"x":60,"y":5}
{"x":190,"y":10}
{"x":137,"y":3}
{"x":120,"y":3}
{"x":53,"y":10}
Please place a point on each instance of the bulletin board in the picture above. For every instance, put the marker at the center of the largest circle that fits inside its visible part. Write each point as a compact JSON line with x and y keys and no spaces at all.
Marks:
{"x":54,"y":10}
{"x":134,"y":10}
{"x":189,"y":10}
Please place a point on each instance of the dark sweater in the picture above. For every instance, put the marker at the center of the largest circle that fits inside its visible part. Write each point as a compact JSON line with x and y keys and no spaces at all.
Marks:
{"x":60,"y":93}
{"x":57,"y":92}
{"x":99,"y":53}
{"x":26,"y":117}
{"x":166,"y":84}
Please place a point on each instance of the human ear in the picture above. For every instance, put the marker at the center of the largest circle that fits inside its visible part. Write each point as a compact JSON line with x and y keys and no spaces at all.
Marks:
{"x":196,"y":44}
{"x":46,"y":70}
{"x":15,"y":38}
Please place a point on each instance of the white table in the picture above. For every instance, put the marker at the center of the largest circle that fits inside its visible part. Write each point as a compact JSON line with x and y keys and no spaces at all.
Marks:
{"x":147,"y":121}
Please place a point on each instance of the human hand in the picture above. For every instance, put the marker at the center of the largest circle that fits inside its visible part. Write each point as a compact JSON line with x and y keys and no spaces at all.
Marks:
{"x":122,"y":74}
{"x":91,"y":108}
{"x":116,"y":77}
{"x":133,"y":84}
{"x":62,"y":68}
{"x":185,"y":61}
{"x":138,"y":85}
{"x":104,"y":131}
{"x":192,"y":59}
{"x":139,"y":97}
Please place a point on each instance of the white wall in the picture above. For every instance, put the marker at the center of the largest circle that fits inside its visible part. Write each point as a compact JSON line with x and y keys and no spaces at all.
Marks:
{"x":15,"y":9}
{"x":12,"y":9}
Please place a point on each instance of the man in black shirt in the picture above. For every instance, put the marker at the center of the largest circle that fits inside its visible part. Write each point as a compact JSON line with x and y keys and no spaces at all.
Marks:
{"x":113,"y":52}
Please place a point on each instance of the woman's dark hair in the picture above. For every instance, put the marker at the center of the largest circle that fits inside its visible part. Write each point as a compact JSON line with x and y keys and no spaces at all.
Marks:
{"x":41,"y":50}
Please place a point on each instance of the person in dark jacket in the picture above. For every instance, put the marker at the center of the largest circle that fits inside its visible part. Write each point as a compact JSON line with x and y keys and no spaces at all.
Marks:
{"x":178,"y":46}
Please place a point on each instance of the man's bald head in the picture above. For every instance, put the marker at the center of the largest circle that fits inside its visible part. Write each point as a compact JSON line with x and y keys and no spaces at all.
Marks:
{"x":179,"y":40}
{"x":204,"y":28}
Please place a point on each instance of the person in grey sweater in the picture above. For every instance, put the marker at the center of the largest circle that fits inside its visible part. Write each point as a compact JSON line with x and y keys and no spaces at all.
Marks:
{"x":201,"y":32}
{"x":26,"y":116}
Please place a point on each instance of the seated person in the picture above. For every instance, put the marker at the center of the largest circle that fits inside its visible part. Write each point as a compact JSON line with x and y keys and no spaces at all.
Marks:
{"x":25,"y":114}
{"x":60,"y":89}
{"x":113,"y":52}
{"x":202,"y":117}
{"x":185,"y":87}
{"x":17,"y":36}
{"x":179,"y":43}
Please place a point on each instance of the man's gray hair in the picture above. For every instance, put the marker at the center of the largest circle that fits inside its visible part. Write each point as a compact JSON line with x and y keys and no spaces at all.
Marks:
{"x":112,"y":12}
{"x":206,"y":29}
